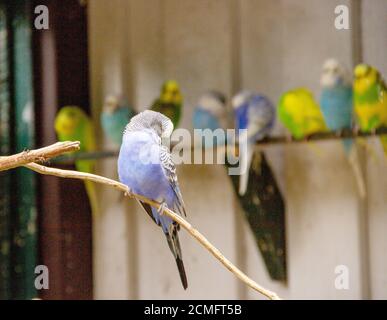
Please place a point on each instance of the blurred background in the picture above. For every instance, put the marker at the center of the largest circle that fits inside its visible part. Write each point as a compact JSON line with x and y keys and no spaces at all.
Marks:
{"x":95,"y":48}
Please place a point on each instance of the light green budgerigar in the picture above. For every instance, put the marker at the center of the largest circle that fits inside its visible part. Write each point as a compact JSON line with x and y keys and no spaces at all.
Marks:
{"x":370,"y":100}
{"x":300,"y":114}
{"x":73,"y":124}
{"x":170,"y":102}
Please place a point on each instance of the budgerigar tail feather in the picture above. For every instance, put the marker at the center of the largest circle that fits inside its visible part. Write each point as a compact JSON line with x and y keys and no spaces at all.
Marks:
{"x":183,"y":276}
{"x":245,"y":157}
{"x":383,"y":140}
{"x":368,"y":147}
{"x":348,"y":143}
{"x":92,"y":194}
{"x":88,"y":167}
{"x":353,"y":159}
{"x":174,"y":245}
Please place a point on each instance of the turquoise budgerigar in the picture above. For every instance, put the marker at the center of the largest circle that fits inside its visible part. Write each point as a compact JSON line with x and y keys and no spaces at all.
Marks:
{"x":73,"y":124}
{"x":370,"y":100}
{"x":337,"y":107}
{"x":256,"y":114}
{"x":114,"y":117}
{"x":211,"y":113}
{"x":170,"y":102}
{"x":145,"y":165}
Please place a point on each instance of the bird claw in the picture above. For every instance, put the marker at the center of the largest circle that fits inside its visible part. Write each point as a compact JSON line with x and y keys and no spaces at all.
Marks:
{"x":161,"y":209}
{"x":129,"y":193}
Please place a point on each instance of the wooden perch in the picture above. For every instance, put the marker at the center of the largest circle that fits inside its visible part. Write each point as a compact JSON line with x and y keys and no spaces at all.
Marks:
{"x":59,"y":148}
{"x":38,"y":155}
{"x":266,"y":142}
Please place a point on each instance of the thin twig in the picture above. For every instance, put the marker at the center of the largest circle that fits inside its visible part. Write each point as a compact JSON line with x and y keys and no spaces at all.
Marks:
{"x":38,"y":155}
{"x":191,"y":230}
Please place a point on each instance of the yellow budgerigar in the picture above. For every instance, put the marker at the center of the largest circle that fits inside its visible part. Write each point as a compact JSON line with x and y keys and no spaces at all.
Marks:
{"x":73,"y":124}
{"x":370,"y":100}
{"x":299,"y":112}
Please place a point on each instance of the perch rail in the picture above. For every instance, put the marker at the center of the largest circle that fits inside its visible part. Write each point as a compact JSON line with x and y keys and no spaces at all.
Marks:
{"x":274,"y":140}
{"x":28,"y":157}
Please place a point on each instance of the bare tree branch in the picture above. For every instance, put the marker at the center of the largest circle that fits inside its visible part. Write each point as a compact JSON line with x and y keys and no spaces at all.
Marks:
{"x":38,"y":155}
{"x":186,"y":225}
{"x":23,"y":159}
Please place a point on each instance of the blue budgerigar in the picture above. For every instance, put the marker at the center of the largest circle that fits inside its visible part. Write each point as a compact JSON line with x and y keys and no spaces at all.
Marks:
{"x":337,"y":107}
{"x":256,"y":114}
{"x":145,"y":165}
{"x":114,"y":117}
{"x":262,"y":203}
{"x":211,"y":113}
{"x":336,"y":98}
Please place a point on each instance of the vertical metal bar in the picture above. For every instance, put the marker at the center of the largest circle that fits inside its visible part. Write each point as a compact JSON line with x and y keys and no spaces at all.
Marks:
{"x":364,"y":252}
{"x":236,"y":85}
{"x":5,"y":149}
{"x":131,"y":221}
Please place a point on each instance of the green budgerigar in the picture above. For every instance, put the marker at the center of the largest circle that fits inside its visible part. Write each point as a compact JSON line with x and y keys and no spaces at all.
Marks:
{"x":299,"y":112}
{"x":73,"y":124}
{"x":170,"y":102}
{"x":370,"y":100}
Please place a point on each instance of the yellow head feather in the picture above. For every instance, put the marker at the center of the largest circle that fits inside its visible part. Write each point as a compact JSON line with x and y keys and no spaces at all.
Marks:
{"x":170,"y":92}
{"x":365,"y":77}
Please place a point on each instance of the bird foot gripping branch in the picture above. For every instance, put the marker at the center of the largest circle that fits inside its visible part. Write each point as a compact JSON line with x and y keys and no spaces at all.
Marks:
{"x":129,"y":193}
{"x":161,"y":209}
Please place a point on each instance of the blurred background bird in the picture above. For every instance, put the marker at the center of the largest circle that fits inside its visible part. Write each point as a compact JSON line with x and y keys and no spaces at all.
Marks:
{"x":211,"y":113}
{"x":370,"y":100}
{"x":154,"y":178}
{"x":115,"y":116}
{"x":256,"y":114}
{"x":170,"y":102}
{"x":262,"y":203}
{"x":300,"y":114}
{"x":337,"y":107}
{"x":73,"y":124}
{"x":257,"y":189}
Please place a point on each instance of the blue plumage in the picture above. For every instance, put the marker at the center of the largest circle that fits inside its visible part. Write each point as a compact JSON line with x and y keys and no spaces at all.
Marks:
{"x":336,"y":106}
{"x":146,"y":167}
{"x":147,"y":179}
{"x":211,"y":114}
{"x":203,"y":119}
{"x":336,"y":103}
{"x":256,"y":114}
{"x":336,"y":99}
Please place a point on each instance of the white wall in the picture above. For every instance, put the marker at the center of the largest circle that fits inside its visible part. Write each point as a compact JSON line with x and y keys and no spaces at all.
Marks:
{"x":374,"y":19}
{"x":135,"y":45}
